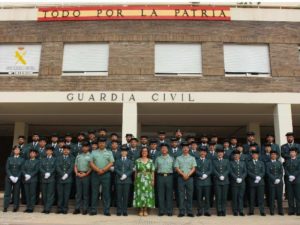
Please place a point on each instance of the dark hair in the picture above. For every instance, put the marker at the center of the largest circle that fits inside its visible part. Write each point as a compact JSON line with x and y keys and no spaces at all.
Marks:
{"x":15,"y":147}
{"x":141,"y":152}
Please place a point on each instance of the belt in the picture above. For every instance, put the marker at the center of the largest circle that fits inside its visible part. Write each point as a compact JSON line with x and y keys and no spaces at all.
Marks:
{"x":164,"y":174}
{"x":82,"y":171}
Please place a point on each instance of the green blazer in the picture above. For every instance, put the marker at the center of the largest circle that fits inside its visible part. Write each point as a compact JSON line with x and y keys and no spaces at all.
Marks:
{"x":32,"y":168}
{"x":64,"y":166}
{"x":255,"y":170}
{"x":123,"y":167}
{"x":274,"y":170}
{"x":48,"y":166}
{"x":237,"y":171}
{"x":221,"y":168}
{"x":203,"y":168}
{"x":14,"y":166}
{"x":292,"y":167}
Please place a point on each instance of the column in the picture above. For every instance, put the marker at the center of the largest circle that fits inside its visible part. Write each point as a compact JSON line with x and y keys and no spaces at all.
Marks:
{"x":255,"y":127}
{"x":21,"y":128}
{"x":282,"y":122}
{"x":129,"y":120}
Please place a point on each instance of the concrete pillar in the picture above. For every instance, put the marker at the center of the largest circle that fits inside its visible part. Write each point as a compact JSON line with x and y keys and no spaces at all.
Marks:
{"x":282,"y":122}
{"x":139,"y":129}
{"x":20,"y":128}
{"x":255,"y":127}
{"x":129,"y":120}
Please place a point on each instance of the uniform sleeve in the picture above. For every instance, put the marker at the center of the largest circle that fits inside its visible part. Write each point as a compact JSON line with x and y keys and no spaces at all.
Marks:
{"x":194,"y":164}
{"x":176,"y":164}
{"x":36,"y":170}
{"x":76,"y":161}
{"x":111,"y":157}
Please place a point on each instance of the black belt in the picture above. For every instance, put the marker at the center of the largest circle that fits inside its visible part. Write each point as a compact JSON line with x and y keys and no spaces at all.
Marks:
{"x":82,"y":171}
{"x":164,"y":174}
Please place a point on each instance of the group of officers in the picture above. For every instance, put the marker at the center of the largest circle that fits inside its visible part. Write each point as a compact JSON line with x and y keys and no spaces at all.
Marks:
{"x":205,"y":171}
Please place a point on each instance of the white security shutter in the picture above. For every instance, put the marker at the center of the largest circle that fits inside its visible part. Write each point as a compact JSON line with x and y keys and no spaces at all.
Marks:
{"x":82,"y":58}
{"x":20,"y":59}
{"x":246,"y":59}
{"x":178,"y":58}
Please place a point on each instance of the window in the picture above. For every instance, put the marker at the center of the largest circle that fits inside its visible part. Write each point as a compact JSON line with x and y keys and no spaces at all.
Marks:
{"x":246,"y":60}
{"x":178,"y":59}
{"x":85,"y":59}
{"x":20,"y":59}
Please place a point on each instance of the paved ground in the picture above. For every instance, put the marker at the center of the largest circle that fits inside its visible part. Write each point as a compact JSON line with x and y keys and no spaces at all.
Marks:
{"x":41,"y":219}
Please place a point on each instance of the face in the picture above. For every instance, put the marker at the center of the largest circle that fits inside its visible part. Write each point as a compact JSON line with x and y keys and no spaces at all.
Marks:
{"x":204,"y":139}
{"x":124,"y":153}
{"x":240,"y":149}
{"x":211,"y":148}
{"x":174,"y":144}
{"x":290,"y":139}
{"x":32,"y":154}
{"x":194,"y":146}
{"x":214,"y":139}
{"x":133,"y":143}
{"x":268,"y":149}
{"x":94,"y":146}
{"x":68,"y":139}
{"x":54,"y":139}
{"x":144,"y":152}
{"x":270,"y":139}
{"x":66,"y":151}
{"x":226,"y":144}
{"x":293,"y":154}
{"x":144,"y":140}
{"x":220,"y":154}
{"x":17,"y":151}
{"x":128,"y":138}
{"x":21,"y":141}
{"x":185,"y":149}
{"x":178,"y":134}
{"x":114,"y":138}
{"x":162,"y":136}
{"x":102,"y":133}
{"x":273,"y":156}
{"x":49,"y":152}
{"x":237,"y":156}
{"x":101,"y":145}
{"x":114,"y":145}
{"x":233,"y":141}
{"x":61,"y":144}
{"x":42,"y":143}
{"x":35,"y":138}
{"x":250,"y":138}
{"x":92,"y":136}
{"x":153,"y":146}
{"x":164,"y":150}
{"x":85,"y":149}
{"x":255,"y":156}
{"x":203,"y":154}
{"x":80,"y":138}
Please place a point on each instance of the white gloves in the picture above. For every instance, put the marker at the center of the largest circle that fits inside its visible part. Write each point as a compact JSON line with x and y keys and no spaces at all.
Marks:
{"x":204,"y":176}
{"x":222,"y":177}
{"x":13,"y":179}
{"x":65,"y":176}
{"x":47,"y":175}
{"x":277,"y":181}
{"x":292,"y":178}
{"x":239,"y":180}
{"x":134,"y":169}
{"x":27,"y":177}
{"x":112,"y":169}
{"x":123,"y":177}
{"x":258,"y":178}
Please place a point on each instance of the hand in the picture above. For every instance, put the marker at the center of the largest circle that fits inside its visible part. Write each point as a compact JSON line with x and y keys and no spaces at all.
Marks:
{"x":222,"y":177}
{"x":12,"y":179}
{"x":65,"y":176}
{"x":112,"y":168}
{"x":185,"y":177}
{"x":27,"y":177}
{"x":47,"y":175}
{"x":204,"y":176}
{"x":16,"y":179}
{"x":133,"y":169}
{"x":292,"y":178}
{"x":277,"y":181}
{"x":239,"y":180}
{"x":123,"y":177}
{"x":258,"y":178}
{"x":101,"y":171}
{"x":256,"y":181}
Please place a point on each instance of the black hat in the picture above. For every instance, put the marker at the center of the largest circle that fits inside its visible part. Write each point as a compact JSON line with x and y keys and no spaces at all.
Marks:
{"x":184,"y":144}
{"x":43,"y":139}
{"x":124,"y":148}
{"x":33,"y":150}
{"x":61,"y":139}
{"x":22,"y":136}
{"x":143,"y":136}
{"x":49,"y":147}
{"x":94,"y":143}
{"x":203,"y":149}
{"x":101,"y":139}
{"x":173,"y":139}
{"x":269,"y":135}
{"x":235,"y":152}
{"x":85,"y":143}
{"x":250,"y":133}
{"x":289,"y":134}
{"x":193,"y":142}
{"x":233,"y":137}
{"x":153,"y":141}
{"x":294,"y":149}
{"x":164,"y":144}
{"x":102,"y":129}
{"x":91,"y":132}
{"x":212,"y":143}
{"x":220,"y":149}
{"x":255,"y":151}
{"x":81,"y":133}
{"x":240,"y":145}
{"x":214,"y":135}
{"x":226,"y":140}
{"x":128,"y":135}
{"x":273,"y":151}
{"x":114,"y":134}
{"x":134,"y":139}
{"x":66,"y":147}
{"x":268,"y":145}
{"x":204,"y":135}
{"x":55,"y":135}
{"x":68,"y":135}
{"x":114,"y":141}
{"x":162,"y":132}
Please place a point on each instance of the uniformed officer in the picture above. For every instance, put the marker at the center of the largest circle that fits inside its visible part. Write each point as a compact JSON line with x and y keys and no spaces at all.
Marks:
{"x":41,"y":148}
{"x":21,"y":145}
{"x":214,"y":138}
{"x":30,"y":172}
{"x":64,"y":171}
{"x":292,"y":174}
{"x":116,"y":154}
{"x":59,"y":150}
{"x":204,"y":141}
{"x":82,"y":171}
{"x":250,"y":141}
{"x":227,"y":150}
{"x":128,"y":139}
{"x":54,"y":141}
{"x":233,"y":143}
{"x":113,"y":138}
{"x":185,"y":167}
{"x":134,"y":152}
{"x":194,"y":149}
{"x":164,"y":165}
{"x":78,"y":145}
{"x":162,"y":138}
{"x":48,"y":174}
{"x":221,"y":170}
{"x":238,"y":174}
{"x":179,"y":136}
{"x":32,"y":145}
{"x":285,"y":149}
{"x":270,"y":140}
{"x":13,"y":179}
{"x":123,"y":180}
{"x":203,"y":182}
{"x":154,"y":152}
{"x":143,"y":141}
{"x":212,"y":155}
{"x":101,"y":161}
{"x":256,"y":173}
{"x":274,"y":173}
{"x":91,"y":136}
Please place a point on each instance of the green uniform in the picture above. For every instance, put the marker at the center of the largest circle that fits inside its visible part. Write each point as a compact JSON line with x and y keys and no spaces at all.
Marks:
{"x":221,"y":169}
{"x":123,"y":166}
{"x":274,"y":172}
{"x":203,"y":184}
{"x":48,"y":166}
{"x":64,"y":170}
{"x":13,"y":169}
{"x":133,"y":154}
{"x":238,"y":174}
{"x":31,"y":167}
{"x":116,"y":154}
{"x":185,"y":187}
{"x":164,"y":166}
{"x":256,"y":169}
{"x":101,"y":158}
{"x":154,"y":153}
{"x":292,"y":168}
{"x":175,"y":152}
{"x":82,"y":162}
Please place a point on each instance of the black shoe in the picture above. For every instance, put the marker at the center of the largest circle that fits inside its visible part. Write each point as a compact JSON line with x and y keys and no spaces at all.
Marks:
{"x":207,"y":214}
{"x":15,"y":209}
{"x":119,"y":214}
{"x":125,"y":214}
{"x":180,"y":215}
{"x":93,"y":213}
{"x":263,"y":214}
{"x":26,"y":211}
{"x":250,"y":214}
{"x":76,"y":211}
{"x":30,"y":211}
{"x":298,"y":214}
{"x":223,"y":214}
{"x":199,"y":214}
{"x":235,"y":214}
{"x":84,"y":212}
{"x":107,"y":214}
{"x":190,"y":215}
{"x":281,"y":213}
{"x":59,"y":212}
{"x":271,"y":213}
{"x":242,"y":214}
{"x":219,"y":214}
{"x":170,"y":214}
{"x":65,"y":212}
{"x":47,"y":212}
{"x":291,"y":213}
{"x":5,"y":210}
{"x":43,"y":211}
{"x":161,"y":214}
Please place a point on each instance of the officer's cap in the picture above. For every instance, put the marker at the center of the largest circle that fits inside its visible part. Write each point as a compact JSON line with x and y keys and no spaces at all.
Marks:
{"x":67,"y":147}
{"x":128,"y":135}
{"x":184,"y":144}
{"x":236,"y":152}
{"x":55,"y":135}
{"x":295,"y":149}
{"x":273,"y":151}
{"x":220,"y":149}
{"x":250,"y":133}
{"x":134,"y":139}
{"x":164,"y":144}
{"x":85,"y":143}
{"x":153,"y":141}
{"x":289,"y":134}
{"x":49,"y":147}
{"x":101,"y":139}
{"x":124,"y":148}
{"x":68,"y":135}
